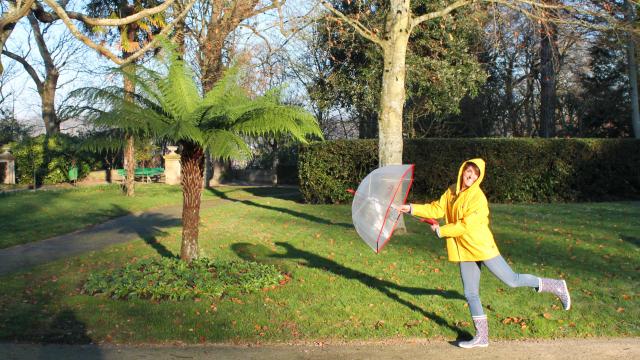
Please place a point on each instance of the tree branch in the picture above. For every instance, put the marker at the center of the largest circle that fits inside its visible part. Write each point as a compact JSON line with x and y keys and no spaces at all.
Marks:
{"x":440,"y":13}
{"x":357,"y":25}
{"x":105,"y":22}
{"x":106,"y":52}
{"x":30,"y":70}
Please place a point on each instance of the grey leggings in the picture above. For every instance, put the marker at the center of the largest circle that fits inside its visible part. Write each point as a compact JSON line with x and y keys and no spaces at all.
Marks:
{"x":470,"y":273}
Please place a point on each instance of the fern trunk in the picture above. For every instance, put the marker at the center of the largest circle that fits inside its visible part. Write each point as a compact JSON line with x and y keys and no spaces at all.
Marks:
{"x":192,"y":159}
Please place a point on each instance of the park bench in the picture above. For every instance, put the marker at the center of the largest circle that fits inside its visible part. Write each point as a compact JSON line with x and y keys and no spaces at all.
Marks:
{"x":145,"y":174}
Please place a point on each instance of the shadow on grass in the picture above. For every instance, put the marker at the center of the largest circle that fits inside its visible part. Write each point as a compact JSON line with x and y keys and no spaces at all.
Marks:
{"x":260,"y":253}
{"x":149,"y":226}
{"x":29,"y":324}
{"x":297,"y":214}
{"x":282,"y":193}
{"x":631,"y":239}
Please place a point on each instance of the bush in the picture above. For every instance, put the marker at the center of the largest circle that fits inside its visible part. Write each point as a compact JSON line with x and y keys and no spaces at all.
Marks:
{"x":518,"y":170}
{"x":176,"y":280}
{"x":326,"y":170}
{"x":63,"y":154}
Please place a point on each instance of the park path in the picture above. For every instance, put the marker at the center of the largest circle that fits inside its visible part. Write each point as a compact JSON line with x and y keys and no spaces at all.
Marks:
{"x":562,"y":349}
{"x":140,"y":225}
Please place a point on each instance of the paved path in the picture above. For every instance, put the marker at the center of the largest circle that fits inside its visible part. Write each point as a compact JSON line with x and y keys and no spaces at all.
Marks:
{"x":628,"y":348}
{"x":145,"y":225}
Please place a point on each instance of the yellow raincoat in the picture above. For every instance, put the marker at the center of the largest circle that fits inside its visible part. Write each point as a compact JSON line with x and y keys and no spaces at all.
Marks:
{"x":467,"y":219}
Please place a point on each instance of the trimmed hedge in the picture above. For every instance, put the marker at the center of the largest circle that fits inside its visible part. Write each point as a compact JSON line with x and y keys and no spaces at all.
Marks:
{"x":518,"y":170}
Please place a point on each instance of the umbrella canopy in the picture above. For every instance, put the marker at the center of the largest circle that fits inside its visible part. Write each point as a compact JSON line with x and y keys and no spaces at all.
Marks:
{"x":373,"y":216}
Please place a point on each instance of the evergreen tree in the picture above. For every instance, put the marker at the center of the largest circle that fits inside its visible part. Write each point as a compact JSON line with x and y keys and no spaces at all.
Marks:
{"x":605,"y":96}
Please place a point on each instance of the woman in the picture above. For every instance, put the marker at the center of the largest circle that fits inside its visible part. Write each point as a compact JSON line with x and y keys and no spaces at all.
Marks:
{"x":470,"y":242}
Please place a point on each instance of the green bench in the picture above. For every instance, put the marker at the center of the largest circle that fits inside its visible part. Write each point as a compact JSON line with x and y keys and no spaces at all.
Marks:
{"x":146,"y":174}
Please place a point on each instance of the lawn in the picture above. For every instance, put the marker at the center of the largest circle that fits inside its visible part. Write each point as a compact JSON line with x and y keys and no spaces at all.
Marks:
{"x":339,"y":289}
{"x":31,"y":216}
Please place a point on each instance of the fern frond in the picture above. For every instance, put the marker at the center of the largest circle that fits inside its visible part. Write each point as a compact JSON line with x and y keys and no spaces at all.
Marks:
{"x":278,"y":120}
{"x":110,"y":141}
{"x":226,"y":145}
{"x":179,"y":91}
{"x":180,"y":130}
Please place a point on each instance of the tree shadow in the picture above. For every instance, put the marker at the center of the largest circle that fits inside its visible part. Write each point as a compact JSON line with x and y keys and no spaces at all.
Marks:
{"x":260,"y":253}
{"x":631,"y":239}
{"x":282,"y":193}
{"x":297,"y":214}
{"x":149,"y":226}
{"x":66,"y":328}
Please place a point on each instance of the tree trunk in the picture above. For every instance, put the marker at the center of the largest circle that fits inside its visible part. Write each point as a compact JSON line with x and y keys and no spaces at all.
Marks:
{"x":51,"y":123}
{"x":632,"y":66}
{"x":274,"y":164}
{"x":393,"y":82}
{"x":129,"y":152}
{"x":129,"y":90}
{"x":191,"y":158}
{"x":548,"y":48}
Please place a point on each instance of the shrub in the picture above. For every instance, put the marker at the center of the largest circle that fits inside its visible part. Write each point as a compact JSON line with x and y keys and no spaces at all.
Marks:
{"x":518,"y":170}
{"x":175,"y":280}
{"x":63,"y":154}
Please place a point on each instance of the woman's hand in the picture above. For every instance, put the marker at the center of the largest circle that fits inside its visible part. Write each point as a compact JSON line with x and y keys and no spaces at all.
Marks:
{"x":403,"y":208}
{"x":435,"y":228}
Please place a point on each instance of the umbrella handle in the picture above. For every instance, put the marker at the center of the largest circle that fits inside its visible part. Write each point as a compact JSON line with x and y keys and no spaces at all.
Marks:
{"x":429,"y":221}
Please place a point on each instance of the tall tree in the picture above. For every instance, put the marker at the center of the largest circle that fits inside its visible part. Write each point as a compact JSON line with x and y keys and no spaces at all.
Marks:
{"x":632,"y":66}
{"x":605,"y":99}
{"x":440,"y":64}
{"x":172,"y":108}
{"x":393,"y":40}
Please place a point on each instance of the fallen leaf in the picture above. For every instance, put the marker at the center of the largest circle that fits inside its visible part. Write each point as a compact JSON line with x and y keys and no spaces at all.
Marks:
{"x":547,"y":316}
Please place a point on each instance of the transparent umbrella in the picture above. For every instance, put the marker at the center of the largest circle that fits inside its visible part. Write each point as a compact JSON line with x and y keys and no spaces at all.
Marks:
{"x":373,"y":210}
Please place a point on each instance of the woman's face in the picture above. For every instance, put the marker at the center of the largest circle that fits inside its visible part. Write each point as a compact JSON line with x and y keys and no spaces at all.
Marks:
{"x":468,"y":177}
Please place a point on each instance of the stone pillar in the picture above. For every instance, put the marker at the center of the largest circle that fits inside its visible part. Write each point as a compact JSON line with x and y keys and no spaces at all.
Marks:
{"x":10,"y":172}
{"x":172,"y":168}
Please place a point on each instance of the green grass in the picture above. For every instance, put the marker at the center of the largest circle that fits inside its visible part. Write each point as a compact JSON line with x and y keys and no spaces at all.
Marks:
{"x":339,"y":289}
{"x":38,"y":215}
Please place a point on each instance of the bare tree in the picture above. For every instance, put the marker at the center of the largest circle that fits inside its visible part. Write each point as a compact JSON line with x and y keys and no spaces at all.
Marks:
{"x":14,"y":10}
{"x":54,"y":56}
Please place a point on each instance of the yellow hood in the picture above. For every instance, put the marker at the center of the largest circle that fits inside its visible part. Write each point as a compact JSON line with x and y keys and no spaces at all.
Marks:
{"x":480,"y":164}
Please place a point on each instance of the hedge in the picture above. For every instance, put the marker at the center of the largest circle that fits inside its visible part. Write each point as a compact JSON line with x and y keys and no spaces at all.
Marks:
{"x":518,"y":170}
{"x":63,"y":154}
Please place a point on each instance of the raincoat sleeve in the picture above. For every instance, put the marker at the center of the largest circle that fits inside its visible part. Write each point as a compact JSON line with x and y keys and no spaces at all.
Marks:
{"x":475,"y":214}
{"x":434,"y":210}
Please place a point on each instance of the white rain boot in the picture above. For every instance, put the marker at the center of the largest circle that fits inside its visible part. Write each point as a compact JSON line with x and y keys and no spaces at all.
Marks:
{"x":482,"y":333}
{"x":558,"y":288}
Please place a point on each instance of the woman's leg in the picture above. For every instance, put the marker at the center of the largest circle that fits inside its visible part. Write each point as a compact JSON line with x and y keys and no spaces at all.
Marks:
{"x":470,"y":273}
{"x":499,"y":267}
{"x":502,"y":271}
